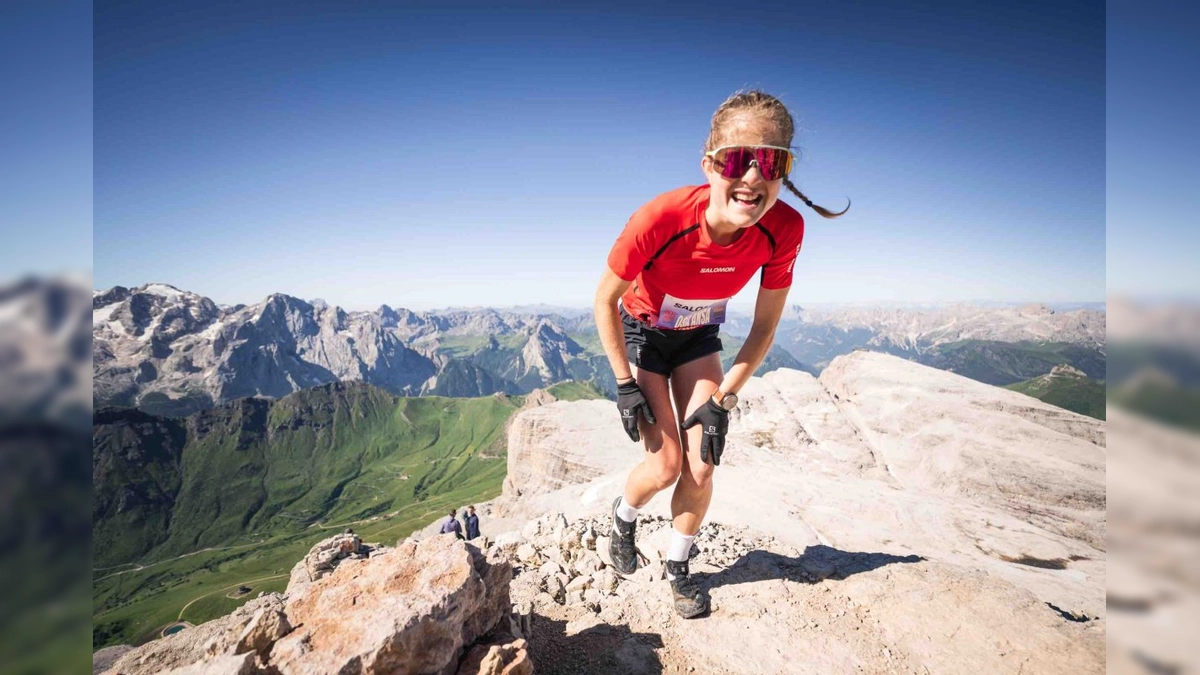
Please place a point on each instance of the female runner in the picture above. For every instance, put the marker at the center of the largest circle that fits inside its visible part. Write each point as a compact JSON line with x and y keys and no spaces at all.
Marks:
{"x":679,"y":260}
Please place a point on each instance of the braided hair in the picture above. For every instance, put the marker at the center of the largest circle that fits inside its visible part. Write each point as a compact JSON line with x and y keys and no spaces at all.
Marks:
{"x":761,"y":103}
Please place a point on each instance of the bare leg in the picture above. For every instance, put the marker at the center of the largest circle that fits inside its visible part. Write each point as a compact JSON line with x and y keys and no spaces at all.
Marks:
{"x":662,"y":460}
{"x":694,"y":382}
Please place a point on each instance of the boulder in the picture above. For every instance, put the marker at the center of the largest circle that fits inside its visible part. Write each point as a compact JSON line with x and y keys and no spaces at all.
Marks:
{"x":322,"y":558}
{"x":410,"y":610}
{"x":510,"y":658}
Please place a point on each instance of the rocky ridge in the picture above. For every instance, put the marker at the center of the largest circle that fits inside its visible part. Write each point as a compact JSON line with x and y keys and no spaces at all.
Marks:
{"x":920,"y":329}
{"x":877,"y":457}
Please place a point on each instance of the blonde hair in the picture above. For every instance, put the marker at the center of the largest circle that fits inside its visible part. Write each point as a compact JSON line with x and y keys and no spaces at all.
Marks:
{"x":762,"y":104}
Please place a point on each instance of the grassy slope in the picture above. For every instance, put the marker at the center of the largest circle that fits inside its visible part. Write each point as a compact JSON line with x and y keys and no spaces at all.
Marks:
{"x":1077,"y":394}
{"x":1004,"y":363}
{"x":575,"y":391}
{"x":389,"y":465}
{"x":461,"y":346}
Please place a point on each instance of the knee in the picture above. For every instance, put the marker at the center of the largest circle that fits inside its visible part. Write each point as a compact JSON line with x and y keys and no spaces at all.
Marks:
{"x":701,"y":475}
{"x":667,"y":468}
{"x":665,"y":476}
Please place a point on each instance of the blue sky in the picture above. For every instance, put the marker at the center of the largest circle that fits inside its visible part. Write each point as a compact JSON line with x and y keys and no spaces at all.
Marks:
{"x":369,"y":154}
{"x":45,"y":137}
{"x":1153,"y":146}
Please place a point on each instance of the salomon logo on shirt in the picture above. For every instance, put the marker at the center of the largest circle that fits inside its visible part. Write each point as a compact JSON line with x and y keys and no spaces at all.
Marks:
{"x":710,"y":270}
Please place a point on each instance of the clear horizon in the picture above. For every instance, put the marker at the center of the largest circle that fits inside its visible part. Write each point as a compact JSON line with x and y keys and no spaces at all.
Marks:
{"x":741,"y":307}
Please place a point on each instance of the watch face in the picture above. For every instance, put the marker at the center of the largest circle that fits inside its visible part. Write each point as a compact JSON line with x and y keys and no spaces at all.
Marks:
{"x":729,"y":402}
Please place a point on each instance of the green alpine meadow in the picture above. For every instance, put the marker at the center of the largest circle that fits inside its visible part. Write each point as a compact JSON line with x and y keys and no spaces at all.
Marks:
{"x":186,"y":511}
{"x":1066,"y":388}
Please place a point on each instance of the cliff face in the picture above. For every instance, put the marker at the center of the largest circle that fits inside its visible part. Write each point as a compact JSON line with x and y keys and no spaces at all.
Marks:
{"x":561,"y":443}
{"x":883,"y":518}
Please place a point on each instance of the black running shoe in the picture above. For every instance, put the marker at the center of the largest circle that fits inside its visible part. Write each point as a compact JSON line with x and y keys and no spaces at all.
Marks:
{"x":620,"y":544}
{"x":690,"y":601}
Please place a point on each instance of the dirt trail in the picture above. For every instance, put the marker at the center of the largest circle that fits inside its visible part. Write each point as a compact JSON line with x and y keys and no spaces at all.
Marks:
{"x":226,"y":588}
{"x":139,"y":567}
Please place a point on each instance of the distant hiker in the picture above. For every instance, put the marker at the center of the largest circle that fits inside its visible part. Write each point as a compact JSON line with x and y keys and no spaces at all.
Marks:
{"x":451,"y":525}
{"x":472,"y":523}
{"x":673,"y":269}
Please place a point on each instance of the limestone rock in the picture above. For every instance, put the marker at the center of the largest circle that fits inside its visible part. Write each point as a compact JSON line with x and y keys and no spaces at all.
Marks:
{"x":209,"y":642}
{"x":842,"y":611}
{"x":526,"y":553}
{"x":321,"y":559}
{"x":511,"y":658}
{"x":228,"y":664}
{"x":266,"y":626}
{"x":561,"y":443}
{"x":103,"y":659}
{"x":410,"y":610}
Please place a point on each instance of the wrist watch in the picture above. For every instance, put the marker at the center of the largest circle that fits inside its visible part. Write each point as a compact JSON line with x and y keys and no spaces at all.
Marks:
{"x":725,"y":401}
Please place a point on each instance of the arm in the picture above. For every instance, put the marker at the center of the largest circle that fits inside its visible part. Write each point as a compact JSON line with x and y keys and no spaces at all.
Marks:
{"x":767,"y":311}
{"x":608,"y":323}
{"x":631,"y":403}
{"x":714,"y":419}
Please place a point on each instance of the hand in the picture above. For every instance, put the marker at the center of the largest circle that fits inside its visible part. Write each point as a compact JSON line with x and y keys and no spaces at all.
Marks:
{"x":714,"y":421}
{"x":631,"y":402}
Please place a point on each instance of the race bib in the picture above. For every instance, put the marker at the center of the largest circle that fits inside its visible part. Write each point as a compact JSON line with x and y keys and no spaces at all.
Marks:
{"x":679,"y":313}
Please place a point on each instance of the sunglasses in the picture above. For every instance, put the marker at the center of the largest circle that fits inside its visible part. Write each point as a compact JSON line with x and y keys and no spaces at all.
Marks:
{"x":734,"y":161}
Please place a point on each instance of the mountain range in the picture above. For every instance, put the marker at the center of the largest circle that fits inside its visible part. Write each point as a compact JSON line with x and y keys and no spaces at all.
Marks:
{"x":173,"y":352}
{"x":170,"y":351}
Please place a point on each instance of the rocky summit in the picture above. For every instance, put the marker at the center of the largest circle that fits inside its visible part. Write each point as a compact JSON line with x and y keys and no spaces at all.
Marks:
{"x":885,"y":517}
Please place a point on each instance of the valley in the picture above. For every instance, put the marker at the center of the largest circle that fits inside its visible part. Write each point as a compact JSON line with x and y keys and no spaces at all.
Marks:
{"x":184,"y":509}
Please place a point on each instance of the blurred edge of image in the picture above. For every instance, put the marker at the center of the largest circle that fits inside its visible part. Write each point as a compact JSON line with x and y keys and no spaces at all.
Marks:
{"x":45,"y":335}
{"x":45,"y":422}
{"x":1153,"y":343}
{"x":1153,"y":392}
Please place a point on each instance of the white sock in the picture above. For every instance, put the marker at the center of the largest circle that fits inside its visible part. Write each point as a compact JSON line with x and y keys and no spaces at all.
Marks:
{"x":680,"y":546}
{"x":626,"y":512}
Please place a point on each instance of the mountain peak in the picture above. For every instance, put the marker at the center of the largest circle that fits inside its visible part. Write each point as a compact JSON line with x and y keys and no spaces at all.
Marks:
{"x":1064,"y":370}
{"x":162,"y":290}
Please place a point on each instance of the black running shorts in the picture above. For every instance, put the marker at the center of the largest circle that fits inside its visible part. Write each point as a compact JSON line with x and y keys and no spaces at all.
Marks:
{"x":661,"y":350}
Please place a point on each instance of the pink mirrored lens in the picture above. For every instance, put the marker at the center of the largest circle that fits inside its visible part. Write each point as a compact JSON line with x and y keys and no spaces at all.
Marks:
{"x":768,"y":162}
{"x":772,"y":163}
{"x":737,"y":162}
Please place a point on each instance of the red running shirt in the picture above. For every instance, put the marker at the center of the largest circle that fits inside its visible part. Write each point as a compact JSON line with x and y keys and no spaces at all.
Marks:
{"x":681,"y":279}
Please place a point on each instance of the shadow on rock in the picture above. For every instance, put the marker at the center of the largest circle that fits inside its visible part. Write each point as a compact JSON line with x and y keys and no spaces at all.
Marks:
{"x":815,"y":564}
{"x":595,"y":650}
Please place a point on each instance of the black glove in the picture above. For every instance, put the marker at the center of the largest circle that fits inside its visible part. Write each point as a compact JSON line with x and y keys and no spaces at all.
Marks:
{"x":630,"y":402}
{"x":714,"y":420}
